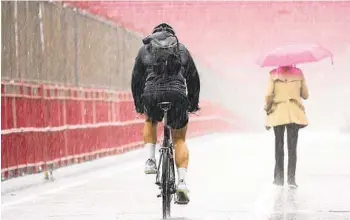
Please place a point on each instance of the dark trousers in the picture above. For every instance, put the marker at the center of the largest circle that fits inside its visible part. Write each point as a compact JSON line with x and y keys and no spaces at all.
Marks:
{"x":292,"y":140}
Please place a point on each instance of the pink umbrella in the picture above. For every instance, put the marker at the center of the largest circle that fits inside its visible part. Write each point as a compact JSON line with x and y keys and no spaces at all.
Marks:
{"x":294,"y":54}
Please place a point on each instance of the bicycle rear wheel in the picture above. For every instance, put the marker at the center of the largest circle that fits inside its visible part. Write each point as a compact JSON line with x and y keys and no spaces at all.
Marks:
{"x":166,"y":194}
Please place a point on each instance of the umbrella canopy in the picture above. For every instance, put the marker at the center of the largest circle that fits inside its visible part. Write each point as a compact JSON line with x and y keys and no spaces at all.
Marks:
{"x":294,"y":54}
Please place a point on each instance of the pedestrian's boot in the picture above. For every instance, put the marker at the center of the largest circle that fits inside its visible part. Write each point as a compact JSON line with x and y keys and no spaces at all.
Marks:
{"x":278,"y":182}
{"x":291,"y":174}
{"x":292,"y":184}
{"x":291,"y":180}
{"x":278,"y":175}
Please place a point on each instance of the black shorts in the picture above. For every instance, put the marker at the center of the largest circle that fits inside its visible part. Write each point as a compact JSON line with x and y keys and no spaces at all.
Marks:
{"x":177,"y":115}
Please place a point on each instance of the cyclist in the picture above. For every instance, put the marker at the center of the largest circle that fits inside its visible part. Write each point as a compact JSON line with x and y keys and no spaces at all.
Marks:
{"x":172,"y":78}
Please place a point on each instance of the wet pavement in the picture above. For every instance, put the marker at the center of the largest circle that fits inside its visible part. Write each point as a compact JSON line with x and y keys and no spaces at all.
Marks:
{"x":230,"y":177}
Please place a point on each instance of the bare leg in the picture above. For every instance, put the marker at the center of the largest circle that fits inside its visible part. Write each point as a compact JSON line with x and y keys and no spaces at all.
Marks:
{"x":150,"y":132}
{"x":181,"y":150}
{"x":181,"y":159}
{"x":150,"y":140}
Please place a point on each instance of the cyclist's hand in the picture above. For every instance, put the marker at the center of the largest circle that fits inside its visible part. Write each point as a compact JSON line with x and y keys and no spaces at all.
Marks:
{"x":193,"y":109}
{"x":139,"y":110}
{"x":138,"y":115}
{"x":195,"y":113}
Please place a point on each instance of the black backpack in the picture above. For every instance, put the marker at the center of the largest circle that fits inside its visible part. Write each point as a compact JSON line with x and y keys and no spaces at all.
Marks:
{"x":165,"y":52}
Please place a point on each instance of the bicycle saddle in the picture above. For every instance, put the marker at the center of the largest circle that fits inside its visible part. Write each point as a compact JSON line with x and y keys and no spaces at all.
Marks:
{"x":165,"y":106}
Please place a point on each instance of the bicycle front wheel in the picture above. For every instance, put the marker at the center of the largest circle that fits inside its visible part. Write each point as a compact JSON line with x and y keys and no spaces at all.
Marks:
{"x":166,"y":194}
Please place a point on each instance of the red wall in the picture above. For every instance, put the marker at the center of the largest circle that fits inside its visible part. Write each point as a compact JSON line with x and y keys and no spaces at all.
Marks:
{"x":44,"y":125}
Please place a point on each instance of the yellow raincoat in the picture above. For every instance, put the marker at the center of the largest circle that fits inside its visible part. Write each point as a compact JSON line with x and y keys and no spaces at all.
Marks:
{"x":283,"y":101}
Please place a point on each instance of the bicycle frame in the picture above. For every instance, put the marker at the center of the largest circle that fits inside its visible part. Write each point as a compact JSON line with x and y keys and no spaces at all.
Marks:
{"x":166,"y":148}
{"x":167,"y":181}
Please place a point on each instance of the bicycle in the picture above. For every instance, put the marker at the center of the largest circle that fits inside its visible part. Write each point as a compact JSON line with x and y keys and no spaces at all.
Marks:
{"x":166,"y":182}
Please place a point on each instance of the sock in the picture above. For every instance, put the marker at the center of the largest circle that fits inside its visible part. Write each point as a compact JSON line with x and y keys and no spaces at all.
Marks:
{"x":181,"y":174}
{"x":152,"y":150}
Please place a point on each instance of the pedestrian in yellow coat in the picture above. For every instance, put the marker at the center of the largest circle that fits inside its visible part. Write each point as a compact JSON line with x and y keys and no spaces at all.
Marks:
{"x":284,"y":108}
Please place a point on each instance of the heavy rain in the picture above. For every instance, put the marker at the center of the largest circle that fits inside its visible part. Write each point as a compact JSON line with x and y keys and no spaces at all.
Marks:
{"x":268,"y":83}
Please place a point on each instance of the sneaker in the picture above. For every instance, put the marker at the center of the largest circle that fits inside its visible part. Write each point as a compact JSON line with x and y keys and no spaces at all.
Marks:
{"x":182,"y":192}
{"x":151,"y":167}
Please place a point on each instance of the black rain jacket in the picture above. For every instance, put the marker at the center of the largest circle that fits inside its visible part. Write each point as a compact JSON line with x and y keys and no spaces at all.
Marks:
{"x":145,"y":82}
